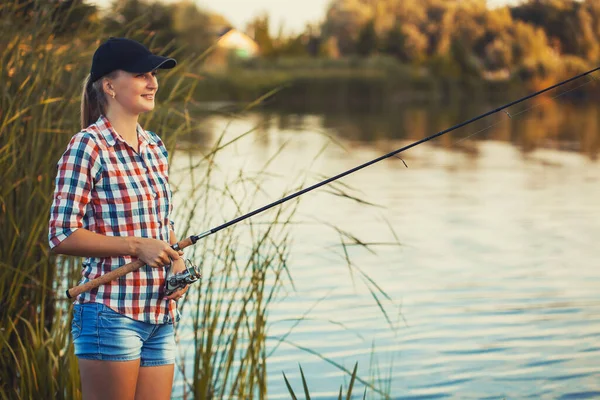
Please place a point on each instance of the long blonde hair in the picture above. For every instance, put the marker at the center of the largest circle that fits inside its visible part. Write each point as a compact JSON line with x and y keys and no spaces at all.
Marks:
{"x":93,"y":100}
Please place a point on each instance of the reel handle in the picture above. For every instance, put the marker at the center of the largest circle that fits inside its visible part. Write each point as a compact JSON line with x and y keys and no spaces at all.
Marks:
{"x":190,"y":275}
{"x":119,"y":272}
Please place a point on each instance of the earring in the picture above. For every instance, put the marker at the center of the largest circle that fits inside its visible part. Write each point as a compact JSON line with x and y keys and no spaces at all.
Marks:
{"x":113,"y":95}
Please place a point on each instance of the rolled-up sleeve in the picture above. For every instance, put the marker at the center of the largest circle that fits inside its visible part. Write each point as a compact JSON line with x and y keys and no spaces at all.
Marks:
{"x":77,"y":169}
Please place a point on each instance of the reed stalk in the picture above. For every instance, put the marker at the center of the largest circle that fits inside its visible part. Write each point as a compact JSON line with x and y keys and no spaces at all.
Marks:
{"x":245,"y":268}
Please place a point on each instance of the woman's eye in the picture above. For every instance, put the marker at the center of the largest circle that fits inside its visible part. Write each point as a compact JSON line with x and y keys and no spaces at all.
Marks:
{"x":153,"y":73}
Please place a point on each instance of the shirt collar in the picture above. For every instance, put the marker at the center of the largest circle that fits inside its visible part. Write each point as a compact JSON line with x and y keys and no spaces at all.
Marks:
{"x":111,"y":136}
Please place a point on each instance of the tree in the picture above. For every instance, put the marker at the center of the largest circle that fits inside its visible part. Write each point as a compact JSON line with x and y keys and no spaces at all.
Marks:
{"x":259,"y":28}
{"x":557,"y":18}
{"x":343,"y":21}
{"x":367,"y":41}
{"x":72,"y":15}
{"x":588,"y":42}
{"x":416,"y":43}
{"x":394,"y":43}
{"x":66,"y":16}
{"x":498,"y":55}
{"x":197,"y":30}
{"x":139,"y":20}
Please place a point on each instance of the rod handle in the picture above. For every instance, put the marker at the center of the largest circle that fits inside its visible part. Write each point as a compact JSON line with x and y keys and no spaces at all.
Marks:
{"x":118,"y":272}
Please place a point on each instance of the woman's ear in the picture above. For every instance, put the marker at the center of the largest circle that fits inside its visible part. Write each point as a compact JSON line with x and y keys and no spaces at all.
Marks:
{"x":107,"y":88}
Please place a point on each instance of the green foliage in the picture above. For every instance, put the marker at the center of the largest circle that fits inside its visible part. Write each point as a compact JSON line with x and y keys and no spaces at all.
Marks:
{"x":66,"y":16}
{"x":307,"y":391}
{"x":140,"y":19}
{"x":41,"y":76}
{"x":45,"y":48}
{"x":296,"y":46}
{"x":367,"y":41}
{"x":394,"y":43}
{"x":469,"y":36}
{"x":42,"y":73}
{"x":262,"y":35}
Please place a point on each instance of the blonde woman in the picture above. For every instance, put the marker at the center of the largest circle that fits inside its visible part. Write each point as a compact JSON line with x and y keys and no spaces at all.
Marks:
{"x":112,"y":205}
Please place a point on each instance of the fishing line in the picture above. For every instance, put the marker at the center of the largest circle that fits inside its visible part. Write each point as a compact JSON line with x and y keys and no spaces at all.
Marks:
{"x":121,"y":271}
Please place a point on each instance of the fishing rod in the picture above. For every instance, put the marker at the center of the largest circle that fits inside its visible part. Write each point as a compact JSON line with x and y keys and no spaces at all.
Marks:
{"x":191,"y":275}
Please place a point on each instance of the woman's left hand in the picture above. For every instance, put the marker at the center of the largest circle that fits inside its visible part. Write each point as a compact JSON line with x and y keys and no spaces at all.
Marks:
{"x":178,"y":267}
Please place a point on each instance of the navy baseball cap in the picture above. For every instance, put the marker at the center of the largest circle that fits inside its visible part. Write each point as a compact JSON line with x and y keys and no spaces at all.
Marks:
{"x":127,"y":55}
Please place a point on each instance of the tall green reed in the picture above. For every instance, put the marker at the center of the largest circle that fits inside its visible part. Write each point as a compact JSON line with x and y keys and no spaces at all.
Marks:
{"x":348,"y":395}
{"x":243,"y":272}
{"x":224,"y":352}
{"x":37,"y":116}
{"x":41,"y":75}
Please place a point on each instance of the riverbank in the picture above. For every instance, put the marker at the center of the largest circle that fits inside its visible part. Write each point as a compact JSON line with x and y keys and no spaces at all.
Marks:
{"x":374,"y":84}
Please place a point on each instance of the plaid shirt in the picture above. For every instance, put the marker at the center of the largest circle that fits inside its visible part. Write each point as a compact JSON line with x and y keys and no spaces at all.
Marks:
{"x":104,"y":186}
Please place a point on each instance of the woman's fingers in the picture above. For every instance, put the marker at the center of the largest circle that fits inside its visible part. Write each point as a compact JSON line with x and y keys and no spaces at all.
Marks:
{"x":172,"y":254}
{"x":163,"y":254}
{"x":156,"y":253}
{"x":178,"y":294}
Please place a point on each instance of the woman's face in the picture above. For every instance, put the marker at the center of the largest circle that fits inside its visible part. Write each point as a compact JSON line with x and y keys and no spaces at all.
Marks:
{"x":134,"y":92}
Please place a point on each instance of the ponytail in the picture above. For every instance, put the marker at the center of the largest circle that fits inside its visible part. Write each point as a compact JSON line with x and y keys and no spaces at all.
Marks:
{"x":93,"y":100}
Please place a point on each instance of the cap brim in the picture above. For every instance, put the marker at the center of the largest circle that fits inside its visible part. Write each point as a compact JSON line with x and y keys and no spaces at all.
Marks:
{"x":151,"y":63}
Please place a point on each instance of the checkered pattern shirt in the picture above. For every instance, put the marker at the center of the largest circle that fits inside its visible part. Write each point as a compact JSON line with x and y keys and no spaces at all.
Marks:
{"x":104,"y":186}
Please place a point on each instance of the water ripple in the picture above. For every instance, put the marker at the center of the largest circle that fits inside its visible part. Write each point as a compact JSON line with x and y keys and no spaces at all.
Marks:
{"x":495,"y":287}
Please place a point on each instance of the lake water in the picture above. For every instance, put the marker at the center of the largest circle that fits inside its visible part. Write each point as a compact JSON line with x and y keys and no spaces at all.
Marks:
{"x":485,"y":245}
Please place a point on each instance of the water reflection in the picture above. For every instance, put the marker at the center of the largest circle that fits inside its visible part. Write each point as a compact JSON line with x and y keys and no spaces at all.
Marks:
{"x":540,"y":123}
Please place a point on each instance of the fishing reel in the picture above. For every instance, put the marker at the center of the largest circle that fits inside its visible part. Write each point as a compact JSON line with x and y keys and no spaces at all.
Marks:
{"x":178,"y":281}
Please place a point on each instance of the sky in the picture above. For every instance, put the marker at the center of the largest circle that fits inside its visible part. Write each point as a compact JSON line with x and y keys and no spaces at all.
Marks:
{"x":294,"y":15}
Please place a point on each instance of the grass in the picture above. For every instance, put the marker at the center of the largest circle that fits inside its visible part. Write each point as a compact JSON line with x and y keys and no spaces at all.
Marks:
{"x":227,"y":314}
{"x":307,"y":391}
{"x":36,"y":119}
{"x":41,"y":77}
{"x":244,"y":271}
{"x":246,"y":267}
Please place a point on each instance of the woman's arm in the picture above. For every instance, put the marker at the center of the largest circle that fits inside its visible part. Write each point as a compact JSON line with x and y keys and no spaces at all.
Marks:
{"x":82,"y":242}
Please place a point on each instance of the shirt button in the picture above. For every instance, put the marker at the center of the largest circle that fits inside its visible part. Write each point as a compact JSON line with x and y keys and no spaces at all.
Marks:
{"x":154,"y":195}
{"x":59,"y":197}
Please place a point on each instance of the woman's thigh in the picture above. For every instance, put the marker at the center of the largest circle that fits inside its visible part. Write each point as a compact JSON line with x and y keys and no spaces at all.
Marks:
{"x":108,"y":379}
{"x":155,"y":382}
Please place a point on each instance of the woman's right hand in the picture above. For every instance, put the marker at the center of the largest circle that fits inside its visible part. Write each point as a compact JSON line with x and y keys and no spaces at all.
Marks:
{"x":155,"y":253}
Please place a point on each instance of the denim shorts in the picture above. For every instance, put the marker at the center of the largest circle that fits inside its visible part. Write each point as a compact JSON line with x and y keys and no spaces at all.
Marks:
{"x":100,"y":333}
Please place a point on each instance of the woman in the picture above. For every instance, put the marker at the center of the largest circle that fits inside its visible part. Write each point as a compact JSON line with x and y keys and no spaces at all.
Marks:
{"x":112,"y":205}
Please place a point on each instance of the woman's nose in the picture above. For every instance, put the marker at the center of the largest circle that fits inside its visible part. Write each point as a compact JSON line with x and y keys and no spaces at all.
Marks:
{"x":152,"y":82}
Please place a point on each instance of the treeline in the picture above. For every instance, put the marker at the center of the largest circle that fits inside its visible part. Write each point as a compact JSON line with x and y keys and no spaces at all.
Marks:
{"x":180,"y":25}
{"x":534,"y":41}
{"x":535,"y":38}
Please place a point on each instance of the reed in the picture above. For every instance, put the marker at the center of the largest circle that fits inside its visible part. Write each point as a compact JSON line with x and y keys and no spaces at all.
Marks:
{"x":245,"y":268}
{"x":38,"y":114}
{"x":223,"y":335}
{"x":307,"y":391}
{"x":41,"y":77}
